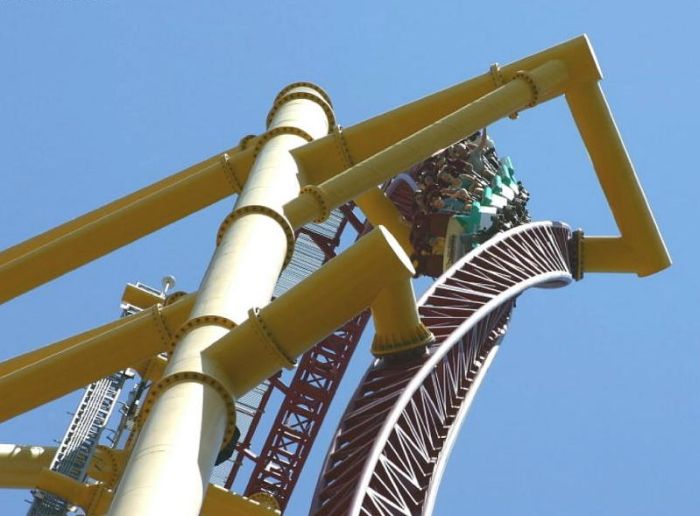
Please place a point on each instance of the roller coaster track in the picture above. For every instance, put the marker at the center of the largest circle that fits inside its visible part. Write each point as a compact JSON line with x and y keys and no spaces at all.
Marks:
{"x":394,"y":439}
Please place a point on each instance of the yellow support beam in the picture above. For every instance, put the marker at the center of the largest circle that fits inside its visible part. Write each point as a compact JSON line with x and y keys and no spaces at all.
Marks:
{"x":71,"y":490}
{"x":64,"y":248}
{"x":106,"y":465}
{"x":75,"y":243}
{"x":640,"y":248}
{"x":54,"y":350}
{"x":380,"y":210}
{"x":397,"y":325}
{"x":379,"y":148}
{"x":321,"y":159}
{"x":272,"y":337}
{"x":20,"y":465}
{"x":80,"y":360}
{"x":26,"y":467}
{"x":526,"y":89}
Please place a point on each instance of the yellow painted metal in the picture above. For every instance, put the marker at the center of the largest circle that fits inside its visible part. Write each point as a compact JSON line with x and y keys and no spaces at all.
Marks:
{"x":519,"y":93}
{"x":608,"y":254}
{"x":78,"y":361}
{"x":192,"y":412}
{"x":379,"y":209}
{"x":26,"y":467}
{"x":67,"y":488}
{"x":153,"y":368}
{"x":93,"y":498}
{"x":106,"y":465}
{"x":75,"y":243}
{"x":640,"y":247}
{"x":54,"y":350}
{"x":321,"y":159}
{"x":20,"y":465}
{"x":309,"y":311}
{"x":219,"y":501}
{"x":397,"y":326}
{"x":257,"y":238}
{"x":140,"y":298}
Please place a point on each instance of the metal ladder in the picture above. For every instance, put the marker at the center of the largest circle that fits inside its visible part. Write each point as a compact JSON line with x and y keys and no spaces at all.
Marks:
{"x":81,"y":438}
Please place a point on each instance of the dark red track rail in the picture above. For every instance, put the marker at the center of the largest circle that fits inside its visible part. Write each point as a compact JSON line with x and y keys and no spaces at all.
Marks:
{"x":302,"y":412}
{"x":395,"y":436}
{"x":307,"y":397}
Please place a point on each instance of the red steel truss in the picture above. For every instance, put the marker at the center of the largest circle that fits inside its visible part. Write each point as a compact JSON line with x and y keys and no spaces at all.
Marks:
{"x":299,"y":419}
{"x":395,"y":436}
{"x":307,"y":397}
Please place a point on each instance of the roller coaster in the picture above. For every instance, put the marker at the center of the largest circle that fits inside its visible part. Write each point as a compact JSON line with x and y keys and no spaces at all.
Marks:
{"x":422,"y":191}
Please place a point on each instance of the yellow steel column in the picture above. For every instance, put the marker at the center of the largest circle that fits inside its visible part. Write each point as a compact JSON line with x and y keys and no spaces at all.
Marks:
{"x":193,"y":414}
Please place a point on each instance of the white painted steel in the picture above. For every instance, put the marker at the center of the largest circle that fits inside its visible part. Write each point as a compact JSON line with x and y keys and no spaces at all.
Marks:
{"x":555,"y":278}
{"x":169,"y":470}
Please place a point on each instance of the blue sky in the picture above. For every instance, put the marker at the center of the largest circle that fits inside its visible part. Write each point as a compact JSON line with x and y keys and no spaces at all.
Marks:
{"x":591,"y":405}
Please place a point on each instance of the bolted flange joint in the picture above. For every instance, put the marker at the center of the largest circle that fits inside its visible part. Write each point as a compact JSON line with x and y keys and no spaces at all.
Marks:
{"x":296,"y":95}
{"x":261,"y":210}
{"x":197,"y":322}
{"x":321,"y":197}
{"x":277,"y":131}
{"x":230,"y":173}
{"x":417,"y":337}
{"x":303,"y":84}
{"x":193,"y":376}
{"x":268,"y":341}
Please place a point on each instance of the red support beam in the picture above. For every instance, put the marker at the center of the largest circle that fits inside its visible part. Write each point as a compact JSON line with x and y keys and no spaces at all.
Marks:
{"x":302,"y":412}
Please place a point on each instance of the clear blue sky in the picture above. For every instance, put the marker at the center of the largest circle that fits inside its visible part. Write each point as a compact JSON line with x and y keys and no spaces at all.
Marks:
{"x":591,"y":406}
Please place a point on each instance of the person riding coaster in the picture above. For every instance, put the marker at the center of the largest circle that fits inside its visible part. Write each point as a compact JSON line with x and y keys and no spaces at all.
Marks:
{"x":465,"y":195}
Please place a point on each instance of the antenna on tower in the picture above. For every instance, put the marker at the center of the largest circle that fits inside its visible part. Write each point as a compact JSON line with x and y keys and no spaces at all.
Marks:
{"x":167,"y":282}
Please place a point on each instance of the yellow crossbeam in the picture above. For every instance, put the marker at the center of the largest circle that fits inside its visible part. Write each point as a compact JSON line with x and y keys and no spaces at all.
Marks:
{"x":33,"y":379}
{"x":73,"y":244}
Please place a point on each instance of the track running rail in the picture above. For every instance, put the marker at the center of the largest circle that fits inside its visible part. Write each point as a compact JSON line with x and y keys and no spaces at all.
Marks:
{"x":395,"y":436}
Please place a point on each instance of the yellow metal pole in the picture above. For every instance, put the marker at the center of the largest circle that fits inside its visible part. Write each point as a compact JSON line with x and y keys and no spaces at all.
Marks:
{"x":272,"y":337}
{"x":380,"y":210}
{"x":173,"y":316}
{"x":328,"y":156}
{"x":640,"y":249}
{"x":80,"y":360}
{"x":53,"y":350}
{"x":192,"y":413}
{"x":526,"y":89}
{"x":20,"y":465}
{"x":74,"y":492}
{"x":64,"y":248}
